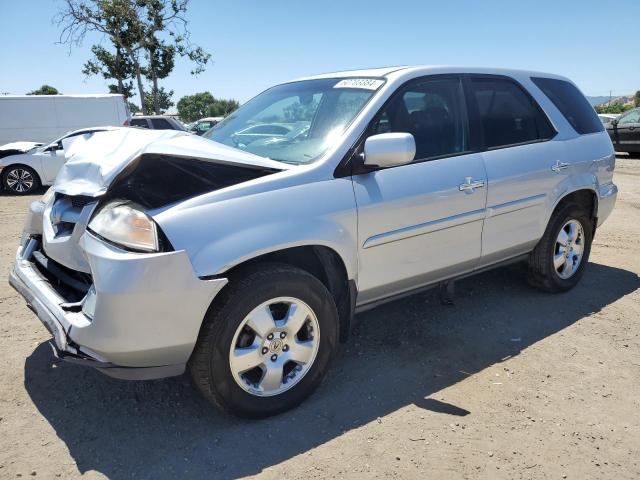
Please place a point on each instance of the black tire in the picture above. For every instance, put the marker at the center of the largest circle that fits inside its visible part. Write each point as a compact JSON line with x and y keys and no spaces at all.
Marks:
{"x":21,"y":187}
{"x":209,"y":364}
{"x":542,"y":273}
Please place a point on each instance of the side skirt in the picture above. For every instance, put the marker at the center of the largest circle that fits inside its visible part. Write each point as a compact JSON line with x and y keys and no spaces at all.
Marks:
{"x":422,"y":288}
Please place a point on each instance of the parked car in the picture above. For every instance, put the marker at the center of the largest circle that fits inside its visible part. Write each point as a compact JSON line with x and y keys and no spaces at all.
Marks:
{"x":204,"y":124}
{"x":607,"y":118}
{"x":625,"y":132}
{"x":25,"y":166}
{"x":245,"y":264}
{"x":157,"y":122}
{"x":39,"y":118}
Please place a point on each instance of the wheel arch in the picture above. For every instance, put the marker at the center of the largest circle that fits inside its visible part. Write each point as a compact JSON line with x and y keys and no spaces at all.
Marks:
{"x":322,"y":262}
{"x":581,"y":196}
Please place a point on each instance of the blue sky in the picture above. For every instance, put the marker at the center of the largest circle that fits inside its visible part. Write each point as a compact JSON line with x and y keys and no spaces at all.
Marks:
{"x":256,"y":44}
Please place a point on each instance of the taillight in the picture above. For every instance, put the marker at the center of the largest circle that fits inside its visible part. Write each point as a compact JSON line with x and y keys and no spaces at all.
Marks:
{"x":125,"y":123}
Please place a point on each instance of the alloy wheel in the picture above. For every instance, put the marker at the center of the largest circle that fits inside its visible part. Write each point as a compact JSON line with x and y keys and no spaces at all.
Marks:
{"x":569,"y":249}
{"x":20,"y":180}
{"x":274,"y":346}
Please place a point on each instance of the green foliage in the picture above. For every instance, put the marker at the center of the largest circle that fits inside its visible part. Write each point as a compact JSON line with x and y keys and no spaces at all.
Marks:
{"x":636,"y":99}
{"x":133,"y":108}
{"x":613,"y":108}
{"x":146,"y":35}
{"x":163,"y":97}
{"x":200,"y":105}
{"x":111,"y":66}
{"x":45,"y":90}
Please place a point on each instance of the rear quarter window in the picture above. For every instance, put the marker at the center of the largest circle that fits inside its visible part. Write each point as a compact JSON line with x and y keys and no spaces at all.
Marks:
{"x":571,"y":103}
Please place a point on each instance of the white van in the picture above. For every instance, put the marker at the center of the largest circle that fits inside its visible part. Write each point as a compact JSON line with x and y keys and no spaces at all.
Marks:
{"x":42,"y":118}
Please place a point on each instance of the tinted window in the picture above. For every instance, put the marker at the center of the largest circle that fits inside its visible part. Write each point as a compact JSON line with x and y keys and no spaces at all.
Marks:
{"x":572,"y":104}
{"x":161,"y":124}
{"x":509,"y":116}
{"x":631,"y":117}
{"x":433,"y":111}
{"x":139,"y":122}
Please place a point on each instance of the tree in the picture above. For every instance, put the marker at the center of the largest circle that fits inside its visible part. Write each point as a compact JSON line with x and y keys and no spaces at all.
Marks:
{"x":160,"y":99}
{"x":45,"y":90}
{"x":636,"y":99}
{"x":133,"y":108}
{"x":111,"y":66}
{"x":203,"y":104}
{"x":135,"y":28}
{"x":616,"y":107}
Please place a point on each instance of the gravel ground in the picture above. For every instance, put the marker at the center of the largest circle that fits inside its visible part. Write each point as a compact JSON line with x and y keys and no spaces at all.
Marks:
{"x":508,"y":383}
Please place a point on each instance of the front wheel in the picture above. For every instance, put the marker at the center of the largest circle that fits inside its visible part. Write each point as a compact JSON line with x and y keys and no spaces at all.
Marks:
{"x":558,"y":261}
{"x":267,"y":342}
{"x":20,"y":180}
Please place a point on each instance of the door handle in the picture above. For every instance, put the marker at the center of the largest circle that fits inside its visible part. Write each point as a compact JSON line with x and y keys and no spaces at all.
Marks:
{"x":559,"y":166}
{"x":470,"y":185}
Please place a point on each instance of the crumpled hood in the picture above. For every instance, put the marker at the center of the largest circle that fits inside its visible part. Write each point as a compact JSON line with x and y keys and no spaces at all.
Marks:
{"x":94,"y":163}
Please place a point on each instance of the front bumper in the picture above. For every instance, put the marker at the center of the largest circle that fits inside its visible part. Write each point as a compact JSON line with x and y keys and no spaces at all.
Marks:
{"x":140,"y":319}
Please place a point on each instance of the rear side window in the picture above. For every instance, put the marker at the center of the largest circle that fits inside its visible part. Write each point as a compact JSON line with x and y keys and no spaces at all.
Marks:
{"x":139,"y":122}
{"x":509,"y":116}
{"x":571,"y":103}
{"x":161,"y":124}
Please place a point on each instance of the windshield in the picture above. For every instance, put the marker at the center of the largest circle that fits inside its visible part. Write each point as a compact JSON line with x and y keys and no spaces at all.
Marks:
{"x":296,"y":122}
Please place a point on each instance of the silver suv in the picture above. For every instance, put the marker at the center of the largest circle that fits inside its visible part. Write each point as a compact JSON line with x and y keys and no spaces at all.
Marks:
{"x":243,"y":259}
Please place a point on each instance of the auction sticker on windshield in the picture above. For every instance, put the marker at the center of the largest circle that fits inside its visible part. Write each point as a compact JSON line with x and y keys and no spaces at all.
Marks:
{"x":363,"y":83}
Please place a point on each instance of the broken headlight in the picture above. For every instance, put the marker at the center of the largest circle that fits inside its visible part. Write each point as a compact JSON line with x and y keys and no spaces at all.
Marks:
{"x":123,"y":224}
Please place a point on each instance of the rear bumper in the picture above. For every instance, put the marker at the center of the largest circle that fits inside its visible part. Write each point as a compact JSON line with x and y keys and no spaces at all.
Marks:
{"x":607,"y":195}
{"x":140,"y":319}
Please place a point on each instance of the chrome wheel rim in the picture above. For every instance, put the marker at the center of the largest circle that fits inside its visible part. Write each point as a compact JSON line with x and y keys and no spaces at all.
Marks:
{"x":569,"y":249}
{"x":274,"y":346}
{"x":20,"y":180}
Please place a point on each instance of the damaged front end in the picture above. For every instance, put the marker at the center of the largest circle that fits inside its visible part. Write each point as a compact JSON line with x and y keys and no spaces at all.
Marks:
{"x":128,"y":312}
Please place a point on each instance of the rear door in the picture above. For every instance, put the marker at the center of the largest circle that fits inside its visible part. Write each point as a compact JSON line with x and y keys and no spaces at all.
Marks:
{"x":421,"y":222}
{"x":520,"y":162}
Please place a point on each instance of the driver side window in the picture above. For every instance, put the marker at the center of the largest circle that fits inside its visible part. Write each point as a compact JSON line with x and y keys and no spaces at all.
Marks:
{"x":433,"y":111}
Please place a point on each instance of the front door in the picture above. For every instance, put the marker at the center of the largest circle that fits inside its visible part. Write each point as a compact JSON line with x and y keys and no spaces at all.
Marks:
{"x":52,"y":159}
{"x":421,"y":222}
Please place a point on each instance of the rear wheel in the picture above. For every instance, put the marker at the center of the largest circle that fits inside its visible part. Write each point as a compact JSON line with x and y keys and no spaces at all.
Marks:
{"x":558,"y":261}
{"x":266,"y":343}
{"x":20,"y":180}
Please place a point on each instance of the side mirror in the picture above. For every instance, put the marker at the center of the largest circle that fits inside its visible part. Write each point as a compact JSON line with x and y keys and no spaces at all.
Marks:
{"x":389,"y":149}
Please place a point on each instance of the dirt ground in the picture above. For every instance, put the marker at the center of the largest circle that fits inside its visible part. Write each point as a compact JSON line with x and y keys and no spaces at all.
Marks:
{"x":508,"y":383}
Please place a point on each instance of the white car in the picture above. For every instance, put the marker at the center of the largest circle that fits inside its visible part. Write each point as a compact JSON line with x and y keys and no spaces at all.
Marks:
{"x":25,"y":166}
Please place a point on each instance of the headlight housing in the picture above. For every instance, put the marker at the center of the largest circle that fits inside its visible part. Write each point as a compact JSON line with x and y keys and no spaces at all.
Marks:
{"x":124,"y":224}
